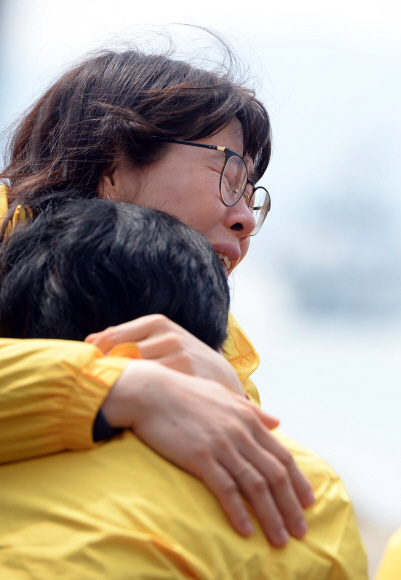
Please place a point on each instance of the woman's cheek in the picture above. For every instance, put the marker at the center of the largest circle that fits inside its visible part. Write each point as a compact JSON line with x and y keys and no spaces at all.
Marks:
{"x":244,"y":245}
{"x":244,"y":250}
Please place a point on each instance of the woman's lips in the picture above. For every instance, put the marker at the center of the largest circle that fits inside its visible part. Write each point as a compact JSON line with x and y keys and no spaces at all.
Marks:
{"x":228,"y":254}
{"x":226,"y":261}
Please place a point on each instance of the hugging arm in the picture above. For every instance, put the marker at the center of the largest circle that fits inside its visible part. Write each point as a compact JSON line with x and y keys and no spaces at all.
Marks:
{"x":184,"y":402}
{"x":51,"y":392}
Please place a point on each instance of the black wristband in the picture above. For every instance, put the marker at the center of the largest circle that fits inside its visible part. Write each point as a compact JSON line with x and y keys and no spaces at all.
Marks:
{"x":102,"y":430}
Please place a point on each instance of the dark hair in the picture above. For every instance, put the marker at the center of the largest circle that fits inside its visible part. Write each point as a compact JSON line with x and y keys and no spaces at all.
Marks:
{"x":115,"y":103}
{"x":80,"y":267}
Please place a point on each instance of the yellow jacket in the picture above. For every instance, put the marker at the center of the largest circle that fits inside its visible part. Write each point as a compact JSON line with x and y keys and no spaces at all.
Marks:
{"x":390,"y":566}
{"x":119,"y":510}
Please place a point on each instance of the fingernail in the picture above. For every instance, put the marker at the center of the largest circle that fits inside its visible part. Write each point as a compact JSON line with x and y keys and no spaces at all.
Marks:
{"x":283,"y":536}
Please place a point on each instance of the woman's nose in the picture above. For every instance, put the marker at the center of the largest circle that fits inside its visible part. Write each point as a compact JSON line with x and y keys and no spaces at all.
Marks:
{"x":240,"y":218}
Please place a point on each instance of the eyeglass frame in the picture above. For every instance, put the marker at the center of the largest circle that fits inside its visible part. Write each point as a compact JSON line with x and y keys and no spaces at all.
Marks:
{"x":228,"y":153}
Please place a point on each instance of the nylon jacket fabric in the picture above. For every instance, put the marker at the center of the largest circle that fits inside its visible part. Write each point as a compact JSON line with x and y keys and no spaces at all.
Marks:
{"x":50,"y":393}
{"x":119,"y":510}
{"x":390,"y":566}
{"x":3,"y":201}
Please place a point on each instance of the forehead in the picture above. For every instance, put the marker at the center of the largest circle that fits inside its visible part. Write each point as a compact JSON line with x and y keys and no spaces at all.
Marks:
{"x":229,"y":136}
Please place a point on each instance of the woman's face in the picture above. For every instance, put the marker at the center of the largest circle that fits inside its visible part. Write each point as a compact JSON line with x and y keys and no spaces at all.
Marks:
{"x":185,"y":184}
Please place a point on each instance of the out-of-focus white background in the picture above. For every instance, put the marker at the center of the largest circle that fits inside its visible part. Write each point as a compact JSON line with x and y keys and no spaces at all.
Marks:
{"x":320,"y":292}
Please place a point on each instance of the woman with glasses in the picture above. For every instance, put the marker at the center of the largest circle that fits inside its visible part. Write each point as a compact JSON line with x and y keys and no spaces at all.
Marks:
{"x":158,"y":132}
{"x":234,"y":182}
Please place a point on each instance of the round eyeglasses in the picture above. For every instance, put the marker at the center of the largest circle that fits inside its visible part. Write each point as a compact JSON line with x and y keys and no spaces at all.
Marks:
{"x":234,"y":182}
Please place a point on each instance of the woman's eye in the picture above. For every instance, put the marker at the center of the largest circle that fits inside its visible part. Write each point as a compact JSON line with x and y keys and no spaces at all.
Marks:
{"x":229,"y":188}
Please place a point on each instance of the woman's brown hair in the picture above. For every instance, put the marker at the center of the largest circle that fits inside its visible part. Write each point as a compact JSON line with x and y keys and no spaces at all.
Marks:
{"x":115,"y":103}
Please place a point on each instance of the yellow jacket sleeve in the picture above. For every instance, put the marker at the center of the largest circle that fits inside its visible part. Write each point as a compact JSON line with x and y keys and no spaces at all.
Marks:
{"x":50,"y":393}
{"x":52,"y":390}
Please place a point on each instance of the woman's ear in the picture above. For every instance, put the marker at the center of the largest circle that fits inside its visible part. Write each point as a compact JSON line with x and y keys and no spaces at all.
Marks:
{"x":119,"y":182}
{"x":108,"y":187}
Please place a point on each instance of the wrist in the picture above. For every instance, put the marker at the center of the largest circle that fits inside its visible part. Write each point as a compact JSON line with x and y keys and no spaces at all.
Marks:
{"x":126,"y":402}
{"x":102,"y":430}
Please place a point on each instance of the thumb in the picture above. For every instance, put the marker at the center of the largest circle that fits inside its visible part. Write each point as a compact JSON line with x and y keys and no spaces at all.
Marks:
{"x":270,"y":421}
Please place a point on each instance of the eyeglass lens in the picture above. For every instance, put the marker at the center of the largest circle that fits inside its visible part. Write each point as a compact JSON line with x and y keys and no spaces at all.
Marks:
{"x":260,"y":204}
{"x":233,"y":180}
{"x":233,"y":183}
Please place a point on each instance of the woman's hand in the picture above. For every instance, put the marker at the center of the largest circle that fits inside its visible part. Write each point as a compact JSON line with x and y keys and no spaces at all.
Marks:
{"x":162,"y":340}
{"x":221,"y":438}
{"x":197,"y":424}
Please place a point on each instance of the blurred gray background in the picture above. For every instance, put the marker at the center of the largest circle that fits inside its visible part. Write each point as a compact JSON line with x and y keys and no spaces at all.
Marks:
{"x":320,"y":291}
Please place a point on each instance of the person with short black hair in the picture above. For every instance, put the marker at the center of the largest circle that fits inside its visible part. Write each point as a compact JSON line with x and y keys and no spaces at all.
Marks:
{"x":84,"y":265}
{"x":87,"y":264}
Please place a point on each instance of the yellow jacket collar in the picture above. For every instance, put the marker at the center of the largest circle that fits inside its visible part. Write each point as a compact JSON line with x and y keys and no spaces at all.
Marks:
{"x":19,"y":216}
{"x":3,"y":201}
{"x":239,"y":350}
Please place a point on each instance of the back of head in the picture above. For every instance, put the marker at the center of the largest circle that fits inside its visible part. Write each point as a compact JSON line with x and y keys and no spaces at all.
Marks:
{"x":84,"y":265}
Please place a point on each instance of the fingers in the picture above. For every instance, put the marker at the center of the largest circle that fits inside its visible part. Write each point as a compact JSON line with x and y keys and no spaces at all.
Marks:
{"x":270,"y":421}
{"x":161,"y":340}
{"x":161,"y":345}
{"x":259,"y":475}
{"x":222,"y":485}
{"x":133,"y":331}
{"x":270,"y":494}
{"x":100,"y":340}
{"x":299,"y":483}
{"x":267,"y":476}
{"x":271,"y":480}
